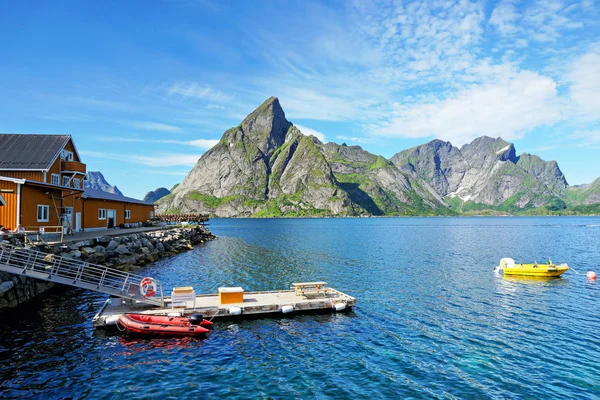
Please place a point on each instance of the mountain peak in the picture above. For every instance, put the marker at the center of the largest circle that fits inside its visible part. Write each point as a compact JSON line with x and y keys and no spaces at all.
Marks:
{"x":95,"y":180}
{"x":266,"y":126}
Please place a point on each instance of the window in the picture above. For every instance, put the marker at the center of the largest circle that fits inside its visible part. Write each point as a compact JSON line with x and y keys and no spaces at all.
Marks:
{"x":67,"y":215}
{"x":127,"y":214}
{"x":43,"y":213}
{"x":66,"y":181}
{"x":151,"y":214}
{"x":101,"y":213}
{"x":55,"y":179}
{"x":77,"y":183}
{"x":66,"y":155}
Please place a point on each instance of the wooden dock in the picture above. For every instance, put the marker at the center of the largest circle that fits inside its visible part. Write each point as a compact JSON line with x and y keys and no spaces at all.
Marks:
{"x":254,"y":304}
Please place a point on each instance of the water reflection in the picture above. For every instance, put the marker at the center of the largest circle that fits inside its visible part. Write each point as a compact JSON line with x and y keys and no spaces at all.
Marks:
{"x":536,"y":280}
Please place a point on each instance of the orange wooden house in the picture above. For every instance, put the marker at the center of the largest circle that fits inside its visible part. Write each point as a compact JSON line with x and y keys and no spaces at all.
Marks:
{"x":41,"y":185}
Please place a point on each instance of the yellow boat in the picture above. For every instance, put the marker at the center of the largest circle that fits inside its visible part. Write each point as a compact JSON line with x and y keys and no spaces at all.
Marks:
{"x":508,"y":267}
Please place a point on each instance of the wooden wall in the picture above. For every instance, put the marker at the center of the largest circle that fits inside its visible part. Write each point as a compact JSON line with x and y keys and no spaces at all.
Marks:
{"x":31,"y":197}
{"x":70,"y":147}
{"x":37,"y":176}
{"x":8,"y":213}
{"x":139,"y":212}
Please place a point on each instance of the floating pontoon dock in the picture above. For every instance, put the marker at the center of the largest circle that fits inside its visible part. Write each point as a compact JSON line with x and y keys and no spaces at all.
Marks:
{"x":131,"y":293}
{"x":253,"y":304}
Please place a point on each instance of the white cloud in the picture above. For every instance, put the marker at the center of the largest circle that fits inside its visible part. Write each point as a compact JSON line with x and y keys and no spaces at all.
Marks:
{"x":587,"y":137}
{"x":355,"y":139}
{"x":507,"y":107}
{"x":154,"y":126}
{"x":215,"y":106}
{"x":163,"y":172}
{"x":198,"y":91}
{"x":309,"y":131}
{"x":200,"y":143}
{"x":164,"y":160}
{"x":540,"y":20}
{"x":584,"y":80}
{"x":504,"y":17}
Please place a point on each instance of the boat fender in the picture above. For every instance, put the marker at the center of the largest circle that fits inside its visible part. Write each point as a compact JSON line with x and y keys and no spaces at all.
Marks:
{"x":174,"y":314}
{"x":287,"y":309}
{"x":339,"y":306}
{"x":111,"y":320}
{"x":235,"y":311}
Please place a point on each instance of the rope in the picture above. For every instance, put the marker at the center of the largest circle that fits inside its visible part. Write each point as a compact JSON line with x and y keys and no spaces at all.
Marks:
{"x":575,"y":271}
{"x":214,"y":315}
{"x":122,"y":330}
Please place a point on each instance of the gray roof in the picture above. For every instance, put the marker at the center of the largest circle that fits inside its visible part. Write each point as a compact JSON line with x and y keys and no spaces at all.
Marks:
{"x":99,"y":194}
{"x":30,"y":151}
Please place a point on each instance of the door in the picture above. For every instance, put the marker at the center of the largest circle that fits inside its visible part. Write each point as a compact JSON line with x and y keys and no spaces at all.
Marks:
{"x":112,"y":218}
{"x":77,"y":222}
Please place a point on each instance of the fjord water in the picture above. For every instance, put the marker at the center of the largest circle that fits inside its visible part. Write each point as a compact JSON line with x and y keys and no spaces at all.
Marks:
{"x":432,"y":319}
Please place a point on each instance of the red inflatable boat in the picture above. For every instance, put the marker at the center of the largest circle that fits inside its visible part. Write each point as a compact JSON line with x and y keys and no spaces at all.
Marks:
{"x":195,"y":319}
{"x":147,"y":324}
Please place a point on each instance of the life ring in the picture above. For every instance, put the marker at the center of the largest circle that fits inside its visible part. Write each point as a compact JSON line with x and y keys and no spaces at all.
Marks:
{"x":148,"y":287}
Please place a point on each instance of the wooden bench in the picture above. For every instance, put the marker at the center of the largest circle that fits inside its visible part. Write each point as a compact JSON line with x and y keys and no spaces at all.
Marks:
{"x":309,"y":288}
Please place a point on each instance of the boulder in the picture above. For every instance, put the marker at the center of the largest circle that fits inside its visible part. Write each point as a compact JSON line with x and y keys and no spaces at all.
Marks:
{"x":122,"y":249}
{"x":76,"y":254}
{"x":5,"y":287}
{"x":88,"y":251}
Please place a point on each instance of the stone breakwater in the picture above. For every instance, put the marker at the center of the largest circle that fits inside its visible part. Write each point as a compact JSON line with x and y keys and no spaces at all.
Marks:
{"x":126,"y":252}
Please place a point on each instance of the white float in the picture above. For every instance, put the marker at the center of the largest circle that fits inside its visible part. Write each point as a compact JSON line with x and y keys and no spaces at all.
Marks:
{"x":287,"y":309}
{"x":111,"y":320}
{"x":235,"y":311}
{"x":339,"y":306}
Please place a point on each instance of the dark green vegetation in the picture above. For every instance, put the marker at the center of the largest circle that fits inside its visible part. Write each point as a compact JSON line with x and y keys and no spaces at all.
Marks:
{"x":156,"y":195}
{"x":265,"y":167}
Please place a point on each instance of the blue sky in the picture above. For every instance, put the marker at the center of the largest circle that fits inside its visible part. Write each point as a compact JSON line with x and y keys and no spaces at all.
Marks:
{"x":146,"y":87}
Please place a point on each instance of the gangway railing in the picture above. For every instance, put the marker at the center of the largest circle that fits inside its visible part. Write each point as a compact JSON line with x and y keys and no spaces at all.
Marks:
{"x":53,"y":268}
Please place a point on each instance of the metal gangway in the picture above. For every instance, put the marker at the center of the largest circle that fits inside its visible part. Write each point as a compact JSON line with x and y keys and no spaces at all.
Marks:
{"x":53,"y":268}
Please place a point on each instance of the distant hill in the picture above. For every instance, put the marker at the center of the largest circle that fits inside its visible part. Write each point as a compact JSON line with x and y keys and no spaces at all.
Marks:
{"x":155,"y":195}
{"x":95,"y":180}
{"x":266,"y":167}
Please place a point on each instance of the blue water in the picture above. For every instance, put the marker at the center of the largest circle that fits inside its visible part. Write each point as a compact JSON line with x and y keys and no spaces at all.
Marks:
{"x":432,"y":320}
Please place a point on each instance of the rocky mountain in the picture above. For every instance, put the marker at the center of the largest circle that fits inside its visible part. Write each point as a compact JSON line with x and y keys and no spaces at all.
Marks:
{"x":581,"y":195}
{"x":267,"y":167}
{"x":377,"y":185}
{"x":95,"y":180}
{"x":155,"y":195}
{"x":485,"y":173}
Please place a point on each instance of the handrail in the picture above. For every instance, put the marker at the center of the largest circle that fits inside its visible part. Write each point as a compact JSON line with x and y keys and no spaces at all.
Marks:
{"x":36,"y":264}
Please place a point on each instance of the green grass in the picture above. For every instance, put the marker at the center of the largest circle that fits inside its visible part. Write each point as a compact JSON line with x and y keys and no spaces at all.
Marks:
{"x":380,"y":162}
{"x":210,"y":201}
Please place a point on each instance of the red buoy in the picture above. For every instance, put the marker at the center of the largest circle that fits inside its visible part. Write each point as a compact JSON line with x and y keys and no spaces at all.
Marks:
{"x":591,"y":275}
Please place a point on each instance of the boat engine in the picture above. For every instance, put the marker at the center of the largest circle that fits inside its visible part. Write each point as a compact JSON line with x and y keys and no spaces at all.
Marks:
{"x":195,"y":319}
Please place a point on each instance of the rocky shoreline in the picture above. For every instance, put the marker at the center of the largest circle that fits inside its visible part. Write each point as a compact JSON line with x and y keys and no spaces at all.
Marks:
{"x":126,"y":252}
